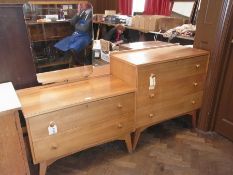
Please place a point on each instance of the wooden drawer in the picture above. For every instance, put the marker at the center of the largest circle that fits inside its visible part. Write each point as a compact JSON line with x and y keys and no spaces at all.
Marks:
{"x":174,"y":70}
{"x":93,"y":113}
{"x":163,"y":110}
{"x":83,"y":137}
{"x":170,"y":89}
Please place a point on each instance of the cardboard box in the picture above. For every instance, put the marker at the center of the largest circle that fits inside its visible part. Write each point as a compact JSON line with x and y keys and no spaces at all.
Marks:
{"x":135,"y":21}
{"x":167,"y":23}
{"x":155,"y":22}
{"x":110,"y":12}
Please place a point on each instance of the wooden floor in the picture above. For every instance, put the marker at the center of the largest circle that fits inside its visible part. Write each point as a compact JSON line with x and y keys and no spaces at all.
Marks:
{"x":170,"y":148}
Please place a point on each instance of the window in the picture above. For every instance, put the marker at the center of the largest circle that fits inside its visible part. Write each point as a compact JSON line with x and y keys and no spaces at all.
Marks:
{"x":138,"y":5}
{"x":183,"y":8}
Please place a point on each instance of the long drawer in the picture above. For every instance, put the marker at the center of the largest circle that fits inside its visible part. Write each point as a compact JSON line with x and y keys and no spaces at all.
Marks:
{"x":163,"y":110}
{"x":83,"y":137}
{"x":174,"y":70}
{"x":81,"y":115}
{"x":170,"y":89}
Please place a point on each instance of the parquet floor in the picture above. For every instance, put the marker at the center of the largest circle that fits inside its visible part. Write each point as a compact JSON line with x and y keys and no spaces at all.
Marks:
{"x":171,"y":148}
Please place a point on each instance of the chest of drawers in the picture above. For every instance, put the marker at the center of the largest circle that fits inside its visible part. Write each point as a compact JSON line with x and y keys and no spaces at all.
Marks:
{"x":169,"y":82}
{"x":85,"y":114}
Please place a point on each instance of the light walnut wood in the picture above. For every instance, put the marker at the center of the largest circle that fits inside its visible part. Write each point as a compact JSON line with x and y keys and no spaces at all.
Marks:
{"x":167,"y":109}
{"x":158,"y":55}
{"x":180,"y":75}
{"x":13,"y":158}
{"x":128,"y":143}
{"x":144,"y":45}
{"x":73,"y":74}
{"x":125,"y":72}
{"x":46,"y":99}
{"x":86,"y":113}
{"x":81,"y":115}
{"x":82,"y":137}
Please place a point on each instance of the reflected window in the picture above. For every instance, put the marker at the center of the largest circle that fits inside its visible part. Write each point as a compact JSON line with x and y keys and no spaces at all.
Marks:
{"x":183,"y":8}
{"x":138,"y":6}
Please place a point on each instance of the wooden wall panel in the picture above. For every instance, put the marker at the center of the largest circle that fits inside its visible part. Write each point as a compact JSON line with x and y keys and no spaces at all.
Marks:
{"x":101,"y":5}
{"x":16,"y":59}
{"x":210,"y":35}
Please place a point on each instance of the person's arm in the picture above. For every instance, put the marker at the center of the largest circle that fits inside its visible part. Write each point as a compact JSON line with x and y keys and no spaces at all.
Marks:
{"x":76,"y":18}
{"x":109,"y":36}
{"x":84,"y":27}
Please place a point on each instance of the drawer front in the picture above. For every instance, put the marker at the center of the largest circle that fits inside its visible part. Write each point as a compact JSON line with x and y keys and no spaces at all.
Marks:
{"x":170,"y":89}
{"x":93,"y":113}
{"x":83,"y":137}
{"x":160,"y":111}
{"x":175,"y":70}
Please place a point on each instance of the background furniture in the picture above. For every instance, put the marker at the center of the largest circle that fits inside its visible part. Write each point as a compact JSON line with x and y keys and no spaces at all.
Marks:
{"x":16,"y":58}
{"x":13,"y":158}
{"x":45,"y":31}
{"x":169,"y":82}
{"x":83,"y":114}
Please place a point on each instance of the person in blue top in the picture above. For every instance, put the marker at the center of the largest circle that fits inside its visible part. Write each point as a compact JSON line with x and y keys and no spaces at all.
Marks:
{"x":82,"y":36}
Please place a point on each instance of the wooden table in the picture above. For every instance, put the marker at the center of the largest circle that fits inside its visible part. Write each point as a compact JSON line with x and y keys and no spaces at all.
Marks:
{"x":67,"y":118}
{"x":13,"y":158}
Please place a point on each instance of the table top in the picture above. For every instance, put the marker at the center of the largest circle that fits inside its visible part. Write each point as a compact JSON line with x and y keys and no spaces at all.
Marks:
{"x":72,"y":74}
{"x":158,"y":55}
{"x":8,"y":98}
{"x":145,"y":44}
{"x":41,"y":100}
{"x":50,"y":22}
{"x":178,"y":36}
{"x":127,"y":27}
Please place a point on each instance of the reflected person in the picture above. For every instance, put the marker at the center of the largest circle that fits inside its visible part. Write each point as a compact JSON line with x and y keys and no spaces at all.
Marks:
{"x":82,"y":36}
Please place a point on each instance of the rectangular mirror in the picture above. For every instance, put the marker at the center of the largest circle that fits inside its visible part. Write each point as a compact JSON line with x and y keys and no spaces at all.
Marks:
{"x":60,"y":33}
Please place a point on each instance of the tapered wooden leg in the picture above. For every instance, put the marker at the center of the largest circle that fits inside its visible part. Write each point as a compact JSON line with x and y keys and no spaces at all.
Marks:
{"x":128,"y":143}
{"x":194,"y":118}
{"x":136,"y":136}
{"x":43,"y":168}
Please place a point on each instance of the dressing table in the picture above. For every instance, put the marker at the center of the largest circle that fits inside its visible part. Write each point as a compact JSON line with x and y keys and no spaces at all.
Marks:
{"x":66,"y":118}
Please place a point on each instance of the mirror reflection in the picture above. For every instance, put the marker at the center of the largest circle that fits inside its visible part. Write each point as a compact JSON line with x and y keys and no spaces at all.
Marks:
{"x":60,"y":34}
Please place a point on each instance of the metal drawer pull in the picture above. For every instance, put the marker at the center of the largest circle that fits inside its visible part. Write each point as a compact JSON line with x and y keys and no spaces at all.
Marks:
{"x":54,"y":146}
{"x":152,"y":95}
{"x":151,"y":115}
{"x":193,"y":102}
{"x":195,"y":84}
{"x":198,"y":66}
{"x":119,"y":106}
{"x":120,"y":126}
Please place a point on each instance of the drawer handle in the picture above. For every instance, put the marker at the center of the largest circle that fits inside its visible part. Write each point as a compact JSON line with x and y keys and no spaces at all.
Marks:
{"x":120,"y":126}
{"x":119,"y":106}
{"x":193,"y":102}
{"x":54,"y":147}
{"x":195,"y":84}
{"x":198,"y":66}
{"x":152,"y":95}
{"x":151,"y":115}
{"x":52,"y":124}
